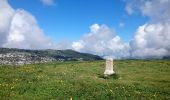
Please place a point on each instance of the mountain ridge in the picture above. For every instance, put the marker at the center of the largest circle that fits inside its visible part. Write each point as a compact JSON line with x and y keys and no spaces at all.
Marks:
{"x":28,"y":56}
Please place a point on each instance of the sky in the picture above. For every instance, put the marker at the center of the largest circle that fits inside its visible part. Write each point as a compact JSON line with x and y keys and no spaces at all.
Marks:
{"x":115,"y":28}
{"x":70,"y":19}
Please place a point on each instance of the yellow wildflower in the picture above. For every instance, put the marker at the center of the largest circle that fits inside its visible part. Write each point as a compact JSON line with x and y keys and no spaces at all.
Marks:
{"x":70,"y":98}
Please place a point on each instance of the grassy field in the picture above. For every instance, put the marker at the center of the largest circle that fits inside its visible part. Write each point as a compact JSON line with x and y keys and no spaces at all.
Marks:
{"x":135,"y":79}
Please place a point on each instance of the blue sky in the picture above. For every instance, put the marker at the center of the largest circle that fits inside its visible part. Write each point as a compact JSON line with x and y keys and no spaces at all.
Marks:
{"x":116,"y":28}
{"x":70,"y":19}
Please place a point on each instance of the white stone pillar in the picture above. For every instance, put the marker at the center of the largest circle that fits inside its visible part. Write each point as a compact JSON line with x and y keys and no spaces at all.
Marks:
{"x":109,"y":67}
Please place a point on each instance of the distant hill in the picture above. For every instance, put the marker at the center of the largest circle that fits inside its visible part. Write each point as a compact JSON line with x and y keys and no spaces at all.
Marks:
{"x":23,"y":56}
{"x":166,"y":57}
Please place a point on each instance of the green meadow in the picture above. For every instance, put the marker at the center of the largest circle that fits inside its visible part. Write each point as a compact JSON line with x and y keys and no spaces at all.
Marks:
{"x":134,"y":79}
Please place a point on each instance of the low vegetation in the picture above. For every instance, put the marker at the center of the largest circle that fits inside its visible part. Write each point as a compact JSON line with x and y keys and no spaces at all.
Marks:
{"x":134,"y":79}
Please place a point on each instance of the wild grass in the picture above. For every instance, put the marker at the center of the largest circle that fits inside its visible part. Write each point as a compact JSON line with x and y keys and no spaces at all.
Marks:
{"x":134,"y":79}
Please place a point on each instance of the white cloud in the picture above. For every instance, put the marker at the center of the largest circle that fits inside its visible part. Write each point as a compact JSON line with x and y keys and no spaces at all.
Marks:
{"x":63,"y":44}
{"x":152,"y":40}
{"x":48,"y":2}
{"x":95,"y":28}
{"x":129,"y":9}
{"x":150,"y":8}
{"x":78,"y":45}
{"x":155,"y":8}
{"x":19,"y":29}
{"x":103,"y":41}
{"x":6,"y":14}
{"x":121,"y":24}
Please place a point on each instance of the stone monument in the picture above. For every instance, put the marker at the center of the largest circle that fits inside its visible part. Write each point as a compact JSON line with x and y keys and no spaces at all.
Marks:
{"x":109,"y":67}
